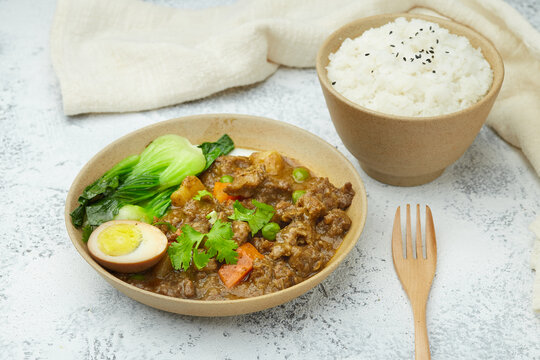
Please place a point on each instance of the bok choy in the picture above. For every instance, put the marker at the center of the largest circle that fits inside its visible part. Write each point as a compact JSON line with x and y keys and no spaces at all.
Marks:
{"x":140,"y":186}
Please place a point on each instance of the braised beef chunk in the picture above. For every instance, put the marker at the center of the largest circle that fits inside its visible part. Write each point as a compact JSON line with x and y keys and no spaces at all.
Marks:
{"x":297,"y":233}
{"x":346,"y":196}
{"x":184,"y":288}
{"x":224,"y":165}
{"x":246,"y":183}
{"x":273,"y":190}
{"x":306,"y":260}
{"x":211,"y":267}
{"x":262,"y":245}
{"x":285,"y":212}
{"x":189,"y":288}
{"x":335,"y":223}
{"x":311,"y":206}
{"x":330,"y":195}
{"x":310,"y":230}
{"x":195,"y":215}
{"x":241,"y":232}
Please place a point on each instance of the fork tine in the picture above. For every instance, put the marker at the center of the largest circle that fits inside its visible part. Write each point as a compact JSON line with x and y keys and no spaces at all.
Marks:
{"x":396,"y":235}
{"x":409,"y":253}
{"x":431,"y":242}
{"x":419,"y":251}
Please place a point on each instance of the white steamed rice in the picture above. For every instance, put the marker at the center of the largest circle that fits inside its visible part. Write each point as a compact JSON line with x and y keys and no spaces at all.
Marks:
{"x":446,"y":74}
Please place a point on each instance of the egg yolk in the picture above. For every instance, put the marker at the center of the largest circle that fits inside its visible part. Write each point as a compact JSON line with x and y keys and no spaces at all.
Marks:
{"x":120,"y":239}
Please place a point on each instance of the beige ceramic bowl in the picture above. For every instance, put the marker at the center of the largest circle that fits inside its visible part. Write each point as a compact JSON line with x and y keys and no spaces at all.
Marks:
{"x":402,"y":150}
{"x":248,"y":132}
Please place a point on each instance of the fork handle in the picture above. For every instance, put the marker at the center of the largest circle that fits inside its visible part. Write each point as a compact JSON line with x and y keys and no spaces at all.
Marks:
{"x":421,"y":342}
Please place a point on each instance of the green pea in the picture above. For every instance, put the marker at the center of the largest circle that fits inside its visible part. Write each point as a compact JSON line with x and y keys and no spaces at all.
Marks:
{"x":300,"y":174}
{"x":226,"y":179}
{"x":270,"y":230}
{"x":297,"y":195}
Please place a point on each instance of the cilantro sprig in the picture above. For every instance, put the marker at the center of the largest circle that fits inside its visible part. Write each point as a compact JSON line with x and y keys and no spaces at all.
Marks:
{"x":187,"y":247}
{"x":256,"y":218}
{"x":220,"y":244}
{"x":191,"y":246}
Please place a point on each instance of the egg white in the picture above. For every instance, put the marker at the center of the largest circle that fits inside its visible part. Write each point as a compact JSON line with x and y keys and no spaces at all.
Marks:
{"x":152,"y":247}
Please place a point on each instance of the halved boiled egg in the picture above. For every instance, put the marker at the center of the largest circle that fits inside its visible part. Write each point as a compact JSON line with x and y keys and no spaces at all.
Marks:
{"x":127,"y":246}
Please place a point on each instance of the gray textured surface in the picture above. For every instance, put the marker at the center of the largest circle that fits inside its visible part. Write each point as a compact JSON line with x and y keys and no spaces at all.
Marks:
{"x":53,"y":305}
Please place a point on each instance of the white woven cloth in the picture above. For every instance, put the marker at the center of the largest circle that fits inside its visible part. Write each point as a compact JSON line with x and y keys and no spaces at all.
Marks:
{"x":127,"y":55}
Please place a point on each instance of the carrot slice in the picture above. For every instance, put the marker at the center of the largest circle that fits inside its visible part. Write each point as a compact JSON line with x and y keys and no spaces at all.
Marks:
{"x":250,"y":251}
{"x":232,"y":274}
{"x":220,"y":194}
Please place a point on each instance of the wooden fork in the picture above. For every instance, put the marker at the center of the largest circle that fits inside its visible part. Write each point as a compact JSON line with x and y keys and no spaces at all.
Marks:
{"x":416,"y":272}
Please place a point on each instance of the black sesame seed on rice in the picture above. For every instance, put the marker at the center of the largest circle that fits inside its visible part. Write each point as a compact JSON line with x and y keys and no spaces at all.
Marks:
{"x":390,"y":33}
{"x":393,"y":45}
{"x":366,"y":54}
{"x":333,"y":83}
{"x":404,"y":59}
{"x":433,"y":71}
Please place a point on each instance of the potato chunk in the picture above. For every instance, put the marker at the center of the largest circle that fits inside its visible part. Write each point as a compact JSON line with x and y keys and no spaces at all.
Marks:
{"x":272,"y":161}
{"x":189,"y":188}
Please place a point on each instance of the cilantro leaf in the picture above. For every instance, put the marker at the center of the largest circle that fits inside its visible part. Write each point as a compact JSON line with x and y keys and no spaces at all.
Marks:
{"x":181,"y":251}
{"x":201,"y":194}
{"x":263,"y":215}
{"x":241,"y":213}
{"x":200,"y":258}
{"x":220,"y":244}
{"x":257,"y":218}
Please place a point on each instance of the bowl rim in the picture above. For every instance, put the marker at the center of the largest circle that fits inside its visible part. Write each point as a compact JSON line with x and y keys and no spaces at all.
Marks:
{"x":498,"y":76}
{"x":327,"y":270}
